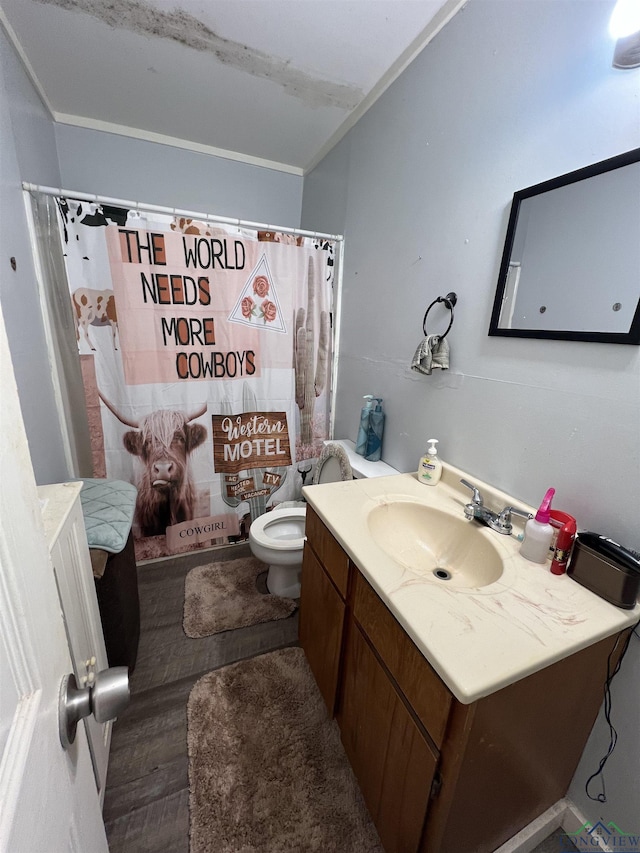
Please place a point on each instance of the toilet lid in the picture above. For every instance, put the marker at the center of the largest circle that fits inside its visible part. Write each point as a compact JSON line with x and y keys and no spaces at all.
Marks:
{"x":333,"y":465}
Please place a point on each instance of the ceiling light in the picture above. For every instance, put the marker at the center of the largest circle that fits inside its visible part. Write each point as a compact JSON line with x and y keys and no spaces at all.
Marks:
{"x":625,"y":27}
{"x":625,"y":19}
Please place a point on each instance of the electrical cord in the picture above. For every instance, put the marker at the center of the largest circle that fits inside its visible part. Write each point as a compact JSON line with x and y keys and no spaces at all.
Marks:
{"x":613,"y":734}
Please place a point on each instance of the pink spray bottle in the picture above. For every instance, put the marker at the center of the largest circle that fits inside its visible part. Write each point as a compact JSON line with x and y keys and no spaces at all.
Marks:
{"x":538,"y":532}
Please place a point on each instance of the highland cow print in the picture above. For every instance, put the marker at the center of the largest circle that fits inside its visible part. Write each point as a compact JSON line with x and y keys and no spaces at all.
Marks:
{"x":163,"y":440}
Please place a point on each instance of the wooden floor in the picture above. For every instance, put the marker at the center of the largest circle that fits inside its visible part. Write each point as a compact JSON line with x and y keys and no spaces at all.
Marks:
{"x":147,"y":795}
{"x":146,"y":807}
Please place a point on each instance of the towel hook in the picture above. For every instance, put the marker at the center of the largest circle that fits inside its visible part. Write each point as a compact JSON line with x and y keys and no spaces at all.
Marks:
{"x":449,"y":301}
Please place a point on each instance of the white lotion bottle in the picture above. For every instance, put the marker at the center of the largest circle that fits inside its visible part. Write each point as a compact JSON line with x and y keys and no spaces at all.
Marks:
{"x":430,"y":468}
{"x":538,"y":533}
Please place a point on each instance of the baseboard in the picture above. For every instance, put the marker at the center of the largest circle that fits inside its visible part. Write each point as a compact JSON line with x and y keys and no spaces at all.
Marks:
{"x":574,"y":820}
{"x":563,"y":815}
{"x":531,"y":835}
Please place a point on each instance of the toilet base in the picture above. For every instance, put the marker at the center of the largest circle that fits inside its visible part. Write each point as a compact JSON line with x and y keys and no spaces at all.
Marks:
{"x":284,"y":581}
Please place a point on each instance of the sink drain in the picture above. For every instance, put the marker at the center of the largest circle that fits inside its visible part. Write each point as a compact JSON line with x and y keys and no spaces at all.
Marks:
{"x":442,"y":574}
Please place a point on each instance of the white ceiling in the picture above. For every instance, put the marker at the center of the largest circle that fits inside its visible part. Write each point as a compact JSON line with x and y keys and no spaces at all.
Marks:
{"x":274,"y":82}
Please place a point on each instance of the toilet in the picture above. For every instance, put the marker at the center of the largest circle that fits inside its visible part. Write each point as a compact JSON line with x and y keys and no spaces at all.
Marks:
{"x":277,"y":537}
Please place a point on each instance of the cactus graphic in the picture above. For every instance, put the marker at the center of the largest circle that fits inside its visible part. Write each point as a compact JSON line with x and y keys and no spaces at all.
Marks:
{"x":257,"y":505}
{"x":310,"y":365}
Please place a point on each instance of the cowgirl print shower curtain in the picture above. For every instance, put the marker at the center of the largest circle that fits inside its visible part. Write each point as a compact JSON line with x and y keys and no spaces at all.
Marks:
{"x":205,"y":353}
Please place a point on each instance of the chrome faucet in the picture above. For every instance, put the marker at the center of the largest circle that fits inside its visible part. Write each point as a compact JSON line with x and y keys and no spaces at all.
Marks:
{"x":498,"y":521}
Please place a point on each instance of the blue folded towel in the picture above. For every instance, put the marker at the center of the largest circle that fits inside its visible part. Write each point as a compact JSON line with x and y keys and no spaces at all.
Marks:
{"x":108,"y":507}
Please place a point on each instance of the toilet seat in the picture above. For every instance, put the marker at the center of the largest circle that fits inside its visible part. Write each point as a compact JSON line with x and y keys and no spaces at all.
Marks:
{"x":280,"y":529}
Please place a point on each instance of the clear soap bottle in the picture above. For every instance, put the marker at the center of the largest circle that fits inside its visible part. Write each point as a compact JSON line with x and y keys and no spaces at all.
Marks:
{"x":430,"y":468}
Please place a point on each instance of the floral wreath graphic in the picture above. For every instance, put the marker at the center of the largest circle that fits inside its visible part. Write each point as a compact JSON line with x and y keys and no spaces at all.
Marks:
{"x":267,"y":310}
{"x":258,"y":303}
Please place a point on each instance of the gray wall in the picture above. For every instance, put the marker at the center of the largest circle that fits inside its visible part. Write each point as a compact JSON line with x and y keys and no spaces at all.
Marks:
{"x":27,"y":151}
{"x":93,"y":161}
{"x":506,"y":96}
{"x":36,"y":150}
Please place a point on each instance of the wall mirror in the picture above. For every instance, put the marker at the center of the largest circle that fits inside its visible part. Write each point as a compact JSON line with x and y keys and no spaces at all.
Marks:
{"x":571,"y":263}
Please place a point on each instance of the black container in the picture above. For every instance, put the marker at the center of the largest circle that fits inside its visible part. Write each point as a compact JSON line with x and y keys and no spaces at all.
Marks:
{"x":606,"y":568}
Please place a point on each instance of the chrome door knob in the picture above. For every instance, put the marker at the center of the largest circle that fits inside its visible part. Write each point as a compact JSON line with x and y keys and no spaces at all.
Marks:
{"x":105,"y":698}
{"x":110,"y":693}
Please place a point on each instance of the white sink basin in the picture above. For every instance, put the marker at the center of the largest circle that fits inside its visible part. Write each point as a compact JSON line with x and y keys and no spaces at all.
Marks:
{"x":435,"y":545}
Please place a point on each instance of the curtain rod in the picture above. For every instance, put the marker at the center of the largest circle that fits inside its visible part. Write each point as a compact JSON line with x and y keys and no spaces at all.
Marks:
{"x":174,"y":211}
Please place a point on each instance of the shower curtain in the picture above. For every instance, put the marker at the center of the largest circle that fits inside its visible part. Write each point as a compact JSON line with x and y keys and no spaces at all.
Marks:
{"x":205,"y":352}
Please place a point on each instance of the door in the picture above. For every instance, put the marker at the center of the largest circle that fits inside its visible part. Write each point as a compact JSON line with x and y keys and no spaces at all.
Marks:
{"x":67,"y":542}
{"x":48,"y":795}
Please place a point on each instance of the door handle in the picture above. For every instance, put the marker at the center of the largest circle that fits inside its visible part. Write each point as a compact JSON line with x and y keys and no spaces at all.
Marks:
{"x":106,"y":697}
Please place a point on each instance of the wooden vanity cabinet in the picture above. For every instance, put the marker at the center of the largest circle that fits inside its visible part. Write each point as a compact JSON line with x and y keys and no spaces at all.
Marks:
{"x":437,"y":776}
{"x":325,"y":577}
{"x":508,"y":757}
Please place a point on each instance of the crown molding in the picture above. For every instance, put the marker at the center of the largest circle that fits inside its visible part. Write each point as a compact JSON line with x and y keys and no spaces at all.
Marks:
{"x":173,"y":141}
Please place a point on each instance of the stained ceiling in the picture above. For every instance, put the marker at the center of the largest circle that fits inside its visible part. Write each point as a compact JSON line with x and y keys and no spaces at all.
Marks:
{"x":275,"y":82}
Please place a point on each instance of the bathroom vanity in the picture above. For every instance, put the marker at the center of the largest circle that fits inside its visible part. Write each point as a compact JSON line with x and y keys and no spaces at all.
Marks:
{"x":463,"y":709}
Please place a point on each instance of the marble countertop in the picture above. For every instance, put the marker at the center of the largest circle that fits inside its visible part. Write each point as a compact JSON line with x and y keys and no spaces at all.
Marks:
{"x":477,"y":640}
{"x":56,"y":502}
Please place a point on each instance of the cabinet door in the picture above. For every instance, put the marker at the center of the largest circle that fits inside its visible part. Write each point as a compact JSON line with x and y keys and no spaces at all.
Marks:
{"x":424,"y":691}
{"x":329,"y":551}
{"x":322,"y":613}
{"x":392,"y":760}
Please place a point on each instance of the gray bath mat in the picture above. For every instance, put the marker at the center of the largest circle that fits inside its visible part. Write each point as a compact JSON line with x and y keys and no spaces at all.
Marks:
{"x":222,"y":596}
{"x":267,"y":770}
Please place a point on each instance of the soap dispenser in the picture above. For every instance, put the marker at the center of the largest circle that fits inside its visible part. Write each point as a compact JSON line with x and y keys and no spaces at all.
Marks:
{"x":374,"y":434}
{"x":430,"y":469}
{"x":538,"y":532}
{"x":363,"y":429}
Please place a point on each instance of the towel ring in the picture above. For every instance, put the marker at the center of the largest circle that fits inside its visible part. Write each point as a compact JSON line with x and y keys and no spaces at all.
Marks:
{"x":449,"y":301}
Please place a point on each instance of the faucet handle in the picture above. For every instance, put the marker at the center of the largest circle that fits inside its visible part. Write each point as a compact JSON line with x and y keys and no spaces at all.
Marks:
{"x":503,"y":522}
{"x":477,"y":497}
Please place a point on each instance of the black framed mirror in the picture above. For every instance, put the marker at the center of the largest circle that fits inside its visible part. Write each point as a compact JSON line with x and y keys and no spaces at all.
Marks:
{"x":570,"y":269}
